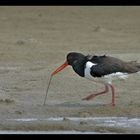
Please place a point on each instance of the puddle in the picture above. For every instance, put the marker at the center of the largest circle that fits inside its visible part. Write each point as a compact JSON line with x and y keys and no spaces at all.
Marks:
{"x":116,"y":122}
{"x":47,"y":132}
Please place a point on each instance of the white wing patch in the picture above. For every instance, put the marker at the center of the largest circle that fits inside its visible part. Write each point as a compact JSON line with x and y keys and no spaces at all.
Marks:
{"x":87,"y":70}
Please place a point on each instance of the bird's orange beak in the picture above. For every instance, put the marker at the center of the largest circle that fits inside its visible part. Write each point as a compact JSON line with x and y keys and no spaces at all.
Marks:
{"x":60,"y":68}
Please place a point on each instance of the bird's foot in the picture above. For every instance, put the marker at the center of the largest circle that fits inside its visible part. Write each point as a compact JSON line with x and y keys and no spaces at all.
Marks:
{"x":110,"y":104}
{"x":89,"y":97}
{"x":113,"y":104}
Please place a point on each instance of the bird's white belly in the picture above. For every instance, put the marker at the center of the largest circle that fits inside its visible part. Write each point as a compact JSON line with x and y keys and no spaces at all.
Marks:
{"x":115,"y":76}
{"x":104,"y":79}
{"x":108,"y":78}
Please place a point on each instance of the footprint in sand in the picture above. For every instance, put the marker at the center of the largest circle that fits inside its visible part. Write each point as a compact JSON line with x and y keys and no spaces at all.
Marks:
{"x":7,"y":101}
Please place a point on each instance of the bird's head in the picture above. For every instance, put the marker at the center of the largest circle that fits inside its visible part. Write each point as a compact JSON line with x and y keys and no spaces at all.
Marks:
{"x":70,"y":59}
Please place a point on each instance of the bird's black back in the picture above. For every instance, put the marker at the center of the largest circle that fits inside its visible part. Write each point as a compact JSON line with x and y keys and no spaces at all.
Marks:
{"x":106,"y":65}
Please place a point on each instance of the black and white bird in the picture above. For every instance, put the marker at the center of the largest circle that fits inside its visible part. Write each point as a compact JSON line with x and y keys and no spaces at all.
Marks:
{"x":103,"y":69}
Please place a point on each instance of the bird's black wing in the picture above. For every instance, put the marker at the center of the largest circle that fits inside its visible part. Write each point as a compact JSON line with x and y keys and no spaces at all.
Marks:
{"x":105,"y":65}
{"x":100,"y":70}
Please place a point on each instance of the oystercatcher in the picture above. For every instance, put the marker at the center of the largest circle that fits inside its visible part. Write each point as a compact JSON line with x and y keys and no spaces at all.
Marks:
{"x":103,"y":69}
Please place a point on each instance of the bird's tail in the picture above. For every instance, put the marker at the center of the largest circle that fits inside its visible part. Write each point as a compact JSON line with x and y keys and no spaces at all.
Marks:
{"x":135,"y":64}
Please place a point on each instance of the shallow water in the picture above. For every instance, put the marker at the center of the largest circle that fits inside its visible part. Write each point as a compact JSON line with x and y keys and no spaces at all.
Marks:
{"x":111,"y":122}
{"x":47,"y":132}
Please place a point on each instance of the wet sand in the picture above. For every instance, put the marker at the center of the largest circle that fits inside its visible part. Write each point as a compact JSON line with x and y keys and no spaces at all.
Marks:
{"x":35,"y":40}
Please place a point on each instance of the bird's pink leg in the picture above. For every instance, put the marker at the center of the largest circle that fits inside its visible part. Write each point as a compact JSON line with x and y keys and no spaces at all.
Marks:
{"x":113,"y":95}
{"x":93,"y":95}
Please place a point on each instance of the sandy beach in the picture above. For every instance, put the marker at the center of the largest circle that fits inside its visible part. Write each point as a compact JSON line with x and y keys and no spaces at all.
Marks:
{"x":35,"y":40}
